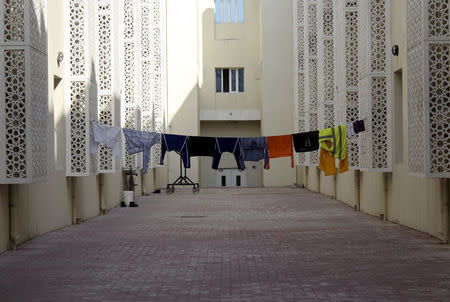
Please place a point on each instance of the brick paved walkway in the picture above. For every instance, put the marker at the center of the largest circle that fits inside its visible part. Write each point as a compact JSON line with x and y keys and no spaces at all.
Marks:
{"x":230,"y":245}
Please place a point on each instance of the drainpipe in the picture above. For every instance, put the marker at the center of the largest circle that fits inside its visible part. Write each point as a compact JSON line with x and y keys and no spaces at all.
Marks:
{"x":386,"y":196}
{"x":306,"y":177}
{"x":358,"y":189}
{"x":318,"y":180}
{"x":13,"y":237}
{"x":74,"y":200}
{"x":101,"y":195}
{"x":445,"y":193}
{"x":335,"y":186}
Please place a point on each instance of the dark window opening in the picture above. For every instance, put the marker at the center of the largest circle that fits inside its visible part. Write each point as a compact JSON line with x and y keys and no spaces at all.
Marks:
{"x":218,"y":80}
{"x":238,"y":180}
{"x":233,"y":80}
{"x":224,"y":181}
{"x":226,"y":80}
{"x":241,"y":79}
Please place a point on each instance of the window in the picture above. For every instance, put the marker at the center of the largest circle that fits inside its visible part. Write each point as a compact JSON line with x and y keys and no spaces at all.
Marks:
{"x":229,"y":80}
{"x":229,"y":11}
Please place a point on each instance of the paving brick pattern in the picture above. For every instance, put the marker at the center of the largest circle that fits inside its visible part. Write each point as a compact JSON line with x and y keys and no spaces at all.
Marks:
{"x":230,"y":245}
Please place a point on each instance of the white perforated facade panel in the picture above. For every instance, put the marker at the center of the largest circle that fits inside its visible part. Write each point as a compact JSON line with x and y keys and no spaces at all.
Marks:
{"x":300,"y":36}
{"x":143,"y":71}
{"x":375,"y":86}
{"x":153,"y":70}
{"x":108,"y":114}
{"x":428,"y":87}
{"x":327,"y":83}
{"x":81,"y":86}
{"x":345,"y":71}
{"x":129,"y":75}
{"x":24,"y":89}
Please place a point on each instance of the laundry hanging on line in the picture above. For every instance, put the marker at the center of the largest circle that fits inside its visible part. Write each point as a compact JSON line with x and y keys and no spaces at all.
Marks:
{"x":141,"y":141}
{"x":177,"y":143}
{"x":332,"y":142}
{"x":280,"y":146}
{"x":107,"y":135}
{"x":232,"y":145}
{"x":306,"y":141}
{"x":255,"y":149}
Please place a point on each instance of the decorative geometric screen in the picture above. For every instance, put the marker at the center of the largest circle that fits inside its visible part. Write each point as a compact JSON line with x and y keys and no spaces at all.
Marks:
{"x":108,"y":113}
{"x":350,"y":39}
{"x":152,"y":67}
{"x":374,"y":88}
{"x":312,"y":91}
{"x":24,"y":89}
{"x":129,"y":52}
{"x":349,"y":53}
{"x":143,"y":71}
{"x":81,"y":86}
{"x":428,"y":87}
{"x":300,"y":36}
{"x":327,"y":63}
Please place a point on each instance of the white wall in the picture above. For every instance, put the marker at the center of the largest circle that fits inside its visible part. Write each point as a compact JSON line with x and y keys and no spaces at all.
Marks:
{"x":277,"y":84}
{"x":183,"y":117}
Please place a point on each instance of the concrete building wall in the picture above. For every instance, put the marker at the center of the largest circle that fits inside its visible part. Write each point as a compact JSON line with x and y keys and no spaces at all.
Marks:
{"x":87,"y":197}
{"x":4,"y":218}
{"x":182,"y":70}
{"x":277,"y":83}
{"x":149,"y":182}
{"x":111,"y":189}
{"x":230,"y":45}
{"x":344,"y":193}
{"x":327,"y":185}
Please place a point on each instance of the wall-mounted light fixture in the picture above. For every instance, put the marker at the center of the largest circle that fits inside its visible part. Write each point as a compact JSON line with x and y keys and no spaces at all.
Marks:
{"x":60,"y":57}
{"x":395,"y":50}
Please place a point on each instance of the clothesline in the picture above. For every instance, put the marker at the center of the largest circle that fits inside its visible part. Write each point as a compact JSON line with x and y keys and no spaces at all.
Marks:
{"x":332,"y":142}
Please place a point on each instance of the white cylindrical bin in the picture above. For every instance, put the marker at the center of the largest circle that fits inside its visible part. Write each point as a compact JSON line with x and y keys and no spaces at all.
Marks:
{"x":128,"y":196}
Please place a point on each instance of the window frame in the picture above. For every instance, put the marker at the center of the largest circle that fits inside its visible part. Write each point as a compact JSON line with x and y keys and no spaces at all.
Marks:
{"x":230,"y":79}
{"x":231,"y":15}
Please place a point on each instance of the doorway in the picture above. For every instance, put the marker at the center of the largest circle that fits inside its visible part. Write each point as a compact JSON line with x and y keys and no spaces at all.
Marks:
{"x":229,"y":178}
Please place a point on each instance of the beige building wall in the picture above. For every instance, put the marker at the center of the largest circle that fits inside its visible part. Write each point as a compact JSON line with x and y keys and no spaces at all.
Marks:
{"x":87,"y":197}
{"x":342,"y":185}
{"x":182,"y":71}
{"x":277,"y":84}
{"x":148,"y":182}
{"x":230,"y":45}
{"x":111,"y":190}
{"x":416,"y":202}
